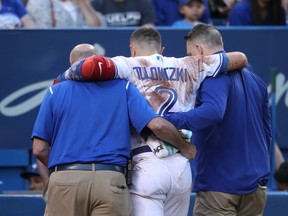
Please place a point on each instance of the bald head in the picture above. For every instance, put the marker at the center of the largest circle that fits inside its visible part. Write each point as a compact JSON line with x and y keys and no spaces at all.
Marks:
{"x":145,"y":41}
{"x":82,"y":51}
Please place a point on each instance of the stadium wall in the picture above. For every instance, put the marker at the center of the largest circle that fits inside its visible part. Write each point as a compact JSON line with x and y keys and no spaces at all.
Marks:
{"x":31,"y":59}
{"x":27,"y":205}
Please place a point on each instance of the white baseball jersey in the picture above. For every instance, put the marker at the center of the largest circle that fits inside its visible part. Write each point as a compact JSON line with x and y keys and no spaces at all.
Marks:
{"x":169,"y":84}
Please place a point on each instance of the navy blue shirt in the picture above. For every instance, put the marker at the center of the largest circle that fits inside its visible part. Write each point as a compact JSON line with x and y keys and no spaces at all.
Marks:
{"x":89,"y":122}
{"x":241,"y":15}
{"x":232,"y":133}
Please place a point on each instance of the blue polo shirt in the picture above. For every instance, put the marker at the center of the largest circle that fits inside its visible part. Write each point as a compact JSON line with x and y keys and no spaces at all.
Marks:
{"x":90,"y":122}
{"x":231,"y":131}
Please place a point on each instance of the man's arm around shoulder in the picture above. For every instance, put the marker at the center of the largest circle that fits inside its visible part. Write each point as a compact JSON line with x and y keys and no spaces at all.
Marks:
{"x":164,"y":130}
{"x":237,"y":61}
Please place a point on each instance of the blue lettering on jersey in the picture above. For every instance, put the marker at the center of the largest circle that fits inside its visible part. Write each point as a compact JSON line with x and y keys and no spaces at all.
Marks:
{"x":154,"y":74}
{"x":157,"y":73}
{"x":145,"y":73}
{"x":162,"y":74}
{"x":181,"y":73}
{"x":138,"y":71}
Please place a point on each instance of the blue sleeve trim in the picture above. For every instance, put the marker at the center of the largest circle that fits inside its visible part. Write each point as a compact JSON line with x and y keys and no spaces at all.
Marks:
{"x":224,"y":63}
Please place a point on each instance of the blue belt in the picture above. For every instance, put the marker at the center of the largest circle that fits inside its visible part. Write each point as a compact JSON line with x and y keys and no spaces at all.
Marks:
{"x":88,"y":167}
{"x":141,"y":149}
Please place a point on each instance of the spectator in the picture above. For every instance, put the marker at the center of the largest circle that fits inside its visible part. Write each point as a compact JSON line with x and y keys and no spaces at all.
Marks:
{"x":13,"y":15}
{"x":169,"y":14}
{"x":221,"y":8}
{"x":191,"y":10}
{"x":34,"y":178}
{"x":206,"y":16}
{"x":126,"y":12}
{"x":257,"y":12}
{"x":281,"y":177}
{"x":285,"y":6}
{"x":61,"y":13}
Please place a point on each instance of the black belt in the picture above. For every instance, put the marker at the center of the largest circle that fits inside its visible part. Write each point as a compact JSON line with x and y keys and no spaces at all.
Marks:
{"x":87,"y":167}
{"x":141,"y":149}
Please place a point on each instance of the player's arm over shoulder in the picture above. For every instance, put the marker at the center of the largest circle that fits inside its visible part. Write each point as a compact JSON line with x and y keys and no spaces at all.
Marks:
{"x":237,"y":61}
{"x":217,"y":63}
{"x":91,"y":68}
{"x":98,"y":68}
{"x":104,"y":68}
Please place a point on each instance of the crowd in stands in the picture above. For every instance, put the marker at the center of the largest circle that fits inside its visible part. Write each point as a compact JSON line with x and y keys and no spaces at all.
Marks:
{"x":36,"y":182}
{"x":16,"y":14}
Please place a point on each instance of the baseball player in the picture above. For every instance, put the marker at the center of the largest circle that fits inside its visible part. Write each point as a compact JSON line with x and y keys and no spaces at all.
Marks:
{"x":159,"y":186}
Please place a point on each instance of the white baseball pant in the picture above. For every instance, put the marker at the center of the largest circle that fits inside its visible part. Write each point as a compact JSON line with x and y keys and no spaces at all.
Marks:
{"x":161,"y":187}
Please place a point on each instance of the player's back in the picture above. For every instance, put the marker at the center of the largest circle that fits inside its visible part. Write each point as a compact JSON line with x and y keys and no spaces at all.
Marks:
{"x":169,"y":84}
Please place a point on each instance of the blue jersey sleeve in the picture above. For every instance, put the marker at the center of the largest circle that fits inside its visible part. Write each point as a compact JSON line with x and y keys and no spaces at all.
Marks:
{"x":213,"y":99}
{"x":140,"y":112}
{"x":73,"y":73}
{"x":20,"y":9}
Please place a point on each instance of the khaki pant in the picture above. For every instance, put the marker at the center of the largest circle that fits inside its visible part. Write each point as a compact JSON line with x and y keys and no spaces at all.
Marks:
{"x":83,"y":193}
{"x":212,"y":203}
